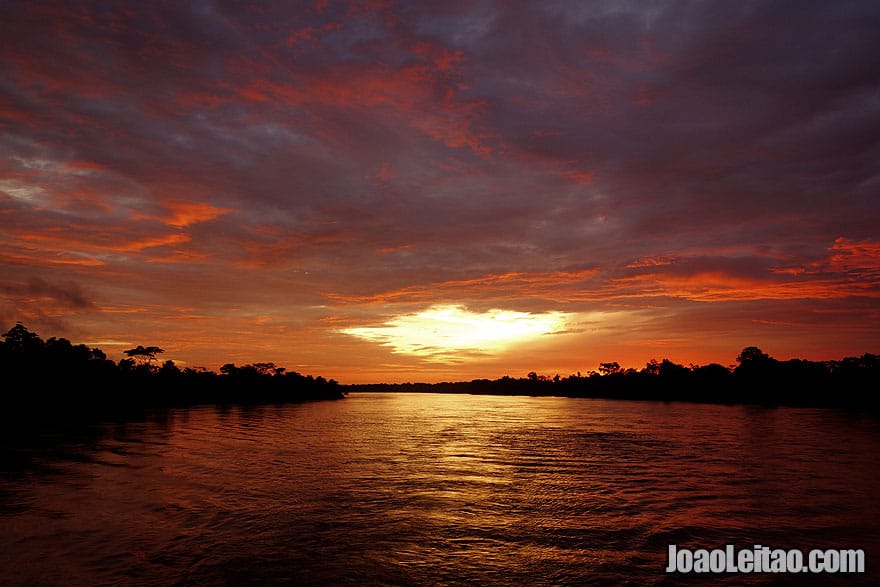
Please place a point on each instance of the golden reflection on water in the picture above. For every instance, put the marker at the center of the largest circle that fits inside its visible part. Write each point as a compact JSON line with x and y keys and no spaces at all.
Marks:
{"x":436,"y":489}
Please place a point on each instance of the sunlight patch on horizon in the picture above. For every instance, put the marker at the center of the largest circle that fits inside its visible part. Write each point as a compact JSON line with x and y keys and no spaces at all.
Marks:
{"x":452,"y":333}
{"x":99,"y":343}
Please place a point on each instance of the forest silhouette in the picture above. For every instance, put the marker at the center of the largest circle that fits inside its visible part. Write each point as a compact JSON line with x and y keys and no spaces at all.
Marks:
{"x":852,"y":382}
{"x":55,"y":376}
{"x":58,"y":376}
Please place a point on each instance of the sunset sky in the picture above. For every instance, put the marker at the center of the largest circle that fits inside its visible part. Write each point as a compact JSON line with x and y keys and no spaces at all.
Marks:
{"x":423,"y":191}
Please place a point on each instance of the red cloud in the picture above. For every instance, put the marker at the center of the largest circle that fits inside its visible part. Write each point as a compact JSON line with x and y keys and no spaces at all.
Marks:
{"x":849,"y":255}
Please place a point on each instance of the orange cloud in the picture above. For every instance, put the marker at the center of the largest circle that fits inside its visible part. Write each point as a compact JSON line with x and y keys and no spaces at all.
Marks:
{"x":394,"y":249}
{"x":851,"y":269}
{"x":182,"y":214}
{"x":56,"y":258}
{"x":721,"y":287}
{"x":650,"y":262}
{"x":81,"y":165}
{"x":491,"y":286}
{"x":89,"y":245}
{"x":850,"y":255}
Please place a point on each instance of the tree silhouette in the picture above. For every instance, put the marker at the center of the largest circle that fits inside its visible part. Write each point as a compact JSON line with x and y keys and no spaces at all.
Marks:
{"x":652,"y":367}
{"x":756,"y":365}
{"x":65,"y":379}
{"x":169,"y":369}
{"x":229,"y":369}
{"x":671,"y":370}
{"x":143,"y":355}
{"x":20,"y":339}
{"x":752,"y":355}
{"x":610,"y":368}
{"x":268,"y":369}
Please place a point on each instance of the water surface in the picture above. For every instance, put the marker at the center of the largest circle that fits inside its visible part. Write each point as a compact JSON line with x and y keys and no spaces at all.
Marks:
{"x":431,"y":489}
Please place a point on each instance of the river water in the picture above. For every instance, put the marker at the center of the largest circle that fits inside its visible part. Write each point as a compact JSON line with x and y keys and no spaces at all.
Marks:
{"x":431,"y":489}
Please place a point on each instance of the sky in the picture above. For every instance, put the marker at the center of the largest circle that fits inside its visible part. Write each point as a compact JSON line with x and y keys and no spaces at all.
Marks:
{"x":442,"y":190}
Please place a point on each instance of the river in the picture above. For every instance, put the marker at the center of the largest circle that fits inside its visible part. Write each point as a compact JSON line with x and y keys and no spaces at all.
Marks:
{"x":433,"y":489}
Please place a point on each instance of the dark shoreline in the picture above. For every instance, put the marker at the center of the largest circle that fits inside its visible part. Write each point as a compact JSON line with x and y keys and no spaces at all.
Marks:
{"x":55,"y":378}
{"x":852,"y":383}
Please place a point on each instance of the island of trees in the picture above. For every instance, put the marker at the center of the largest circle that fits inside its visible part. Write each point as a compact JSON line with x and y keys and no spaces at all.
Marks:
{"x":58,"y":376}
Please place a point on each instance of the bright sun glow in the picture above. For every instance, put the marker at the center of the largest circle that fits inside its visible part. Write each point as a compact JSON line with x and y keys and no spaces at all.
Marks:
{"x":451,"y":333}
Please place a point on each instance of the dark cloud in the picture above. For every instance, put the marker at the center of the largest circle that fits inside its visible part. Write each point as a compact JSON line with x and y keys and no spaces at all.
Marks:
{"x":44,"y":305}
{"x":65,"y":295}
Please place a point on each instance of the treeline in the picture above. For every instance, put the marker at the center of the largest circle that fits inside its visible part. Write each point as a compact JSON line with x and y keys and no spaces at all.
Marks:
{"x":852,"y":382}
{"x":55,"y":375}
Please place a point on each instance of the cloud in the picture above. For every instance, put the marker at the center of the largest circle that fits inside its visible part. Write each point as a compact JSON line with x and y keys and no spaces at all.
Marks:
{"x":182,"y":214}
{"x":43,"y":304}
{"x":67,"y":295}
{"x":449,"y":333}
{"x":487,"y":287}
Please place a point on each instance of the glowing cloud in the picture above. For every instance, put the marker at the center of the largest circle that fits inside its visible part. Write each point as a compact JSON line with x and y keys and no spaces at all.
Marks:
{"x":182,"y":214}
{"x":451,"y":333}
